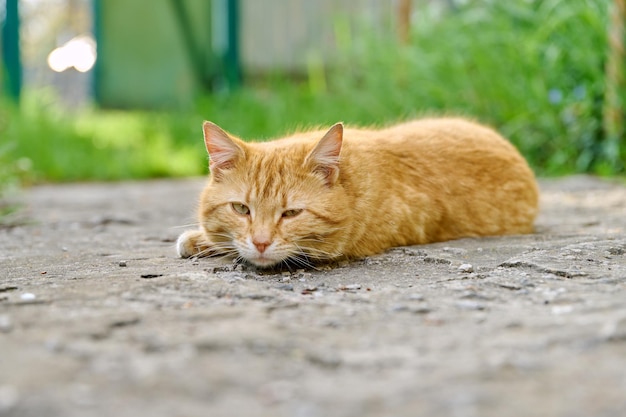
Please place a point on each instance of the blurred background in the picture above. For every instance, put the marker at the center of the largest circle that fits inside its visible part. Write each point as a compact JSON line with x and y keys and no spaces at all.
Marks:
{"x":117,"y":89}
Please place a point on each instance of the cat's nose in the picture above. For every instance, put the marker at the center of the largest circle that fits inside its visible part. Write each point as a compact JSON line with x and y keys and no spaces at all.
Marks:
{"x":261,"y":245}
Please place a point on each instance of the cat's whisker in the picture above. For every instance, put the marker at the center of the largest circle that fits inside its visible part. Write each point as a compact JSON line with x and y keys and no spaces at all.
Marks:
{"x":306,"y":255}
{"x":300,"y":261}
{"x":224,"y":250}
{"x":214,"y":249}
{"x":185,"y":226}
{"x":203,"y":253}
{"x":306,"y":263}
{"x":287,"y":263}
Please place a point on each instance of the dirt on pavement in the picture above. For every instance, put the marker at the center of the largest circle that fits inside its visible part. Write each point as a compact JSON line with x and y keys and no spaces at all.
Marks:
{"x":98,"y":317}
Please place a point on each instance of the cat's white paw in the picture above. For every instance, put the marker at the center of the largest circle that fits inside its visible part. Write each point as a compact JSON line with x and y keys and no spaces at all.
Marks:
{"x":186,"y":243}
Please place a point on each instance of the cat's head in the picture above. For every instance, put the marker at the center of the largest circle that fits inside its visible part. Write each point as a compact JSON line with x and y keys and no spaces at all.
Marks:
{"x":273,"y":202}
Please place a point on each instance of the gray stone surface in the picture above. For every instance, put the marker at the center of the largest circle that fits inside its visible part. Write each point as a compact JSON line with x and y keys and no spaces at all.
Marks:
{"x":99,"y":318}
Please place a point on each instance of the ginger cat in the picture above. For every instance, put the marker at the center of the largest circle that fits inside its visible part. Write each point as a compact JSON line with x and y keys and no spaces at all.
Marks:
{"x":348,"y":193}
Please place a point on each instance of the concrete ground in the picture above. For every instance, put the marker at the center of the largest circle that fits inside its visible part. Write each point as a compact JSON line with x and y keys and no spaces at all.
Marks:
{"x":98,"y":317}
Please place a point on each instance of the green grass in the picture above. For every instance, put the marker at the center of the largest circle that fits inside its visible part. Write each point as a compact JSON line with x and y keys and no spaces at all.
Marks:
{"x":533,"y":69}
{"x":100,"y":145}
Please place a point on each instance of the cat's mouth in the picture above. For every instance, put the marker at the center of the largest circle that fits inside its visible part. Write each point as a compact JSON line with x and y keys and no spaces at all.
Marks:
{"x":273,"y":256}
{"x":265,"y":259}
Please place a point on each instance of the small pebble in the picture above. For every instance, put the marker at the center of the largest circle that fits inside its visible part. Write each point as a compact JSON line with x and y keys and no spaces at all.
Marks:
{"x":615,"y":330}
{"x":397,"y":308}
{"x":564,"y":309}
{"x":150,"y":276}
{"x":9,"y":398}
{"x":470,"y":305}
{"x":400,"y":308}
{"x":351,"y":287}
{"x":27,"y":296}
{"x":304,"y":275}
{"x":53,"y":345}
{"x":309,"y":290}
{"x":456,"y":251}
{"x":6,"y":325}
{"x":123,"y":263}
{"x":466,"y":268}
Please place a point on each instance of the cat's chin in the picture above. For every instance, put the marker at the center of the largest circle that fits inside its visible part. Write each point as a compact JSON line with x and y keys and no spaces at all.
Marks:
{"x":263,"y":262}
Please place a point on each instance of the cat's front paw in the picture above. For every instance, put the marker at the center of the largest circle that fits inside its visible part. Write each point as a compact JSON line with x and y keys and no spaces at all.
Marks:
{"x":192,"y":243}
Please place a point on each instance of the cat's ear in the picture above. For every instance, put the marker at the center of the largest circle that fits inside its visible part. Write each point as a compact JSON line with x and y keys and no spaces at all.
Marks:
{"x":324,"y":158}
{"x":223,"y":150}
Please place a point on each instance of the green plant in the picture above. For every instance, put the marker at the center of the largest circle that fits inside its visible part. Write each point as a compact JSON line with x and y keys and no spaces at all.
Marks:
{"x":534,"y":69}
{"x":100,"y":145}
{"x":10,"y":172}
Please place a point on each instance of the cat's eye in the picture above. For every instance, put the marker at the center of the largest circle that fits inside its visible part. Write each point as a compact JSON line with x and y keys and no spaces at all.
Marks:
{"x":240,"y":208}
{"x":292,"y":212}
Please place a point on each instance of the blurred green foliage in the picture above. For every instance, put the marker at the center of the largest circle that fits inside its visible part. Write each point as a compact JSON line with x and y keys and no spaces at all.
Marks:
{"x":99,"y":145}
{"x":532,"y":69}
{"x":11,"y":172}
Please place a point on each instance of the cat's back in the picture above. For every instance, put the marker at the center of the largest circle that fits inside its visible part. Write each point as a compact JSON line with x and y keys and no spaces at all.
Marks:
{"x":439,"y":134}
{"x":446,"y":147}
{"x":451,"y":177}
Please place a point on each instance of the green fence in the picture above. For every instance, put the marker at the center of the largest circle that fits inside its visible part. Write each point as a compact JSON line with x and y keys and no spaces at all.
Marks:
{"x":163,"y":54}
{"x":10,"y":68}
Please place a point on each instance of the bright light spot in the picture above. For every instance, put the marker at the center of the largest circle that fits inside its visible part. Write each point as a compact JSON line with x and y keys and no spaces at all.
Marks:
{"x":79,"y":52}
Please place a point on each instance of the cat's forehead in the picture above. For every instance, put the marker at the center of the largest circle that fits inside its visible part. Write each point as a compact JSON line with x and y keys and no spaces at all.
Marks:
{"x":275,"y":165}
{"x":271,"y":178}
{"x":273,"y":181}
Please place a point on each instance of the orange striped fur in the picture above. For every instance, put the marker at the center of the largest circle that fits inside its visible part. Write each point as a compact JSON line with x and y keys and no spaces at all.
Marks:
{"x":349,"y":193}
